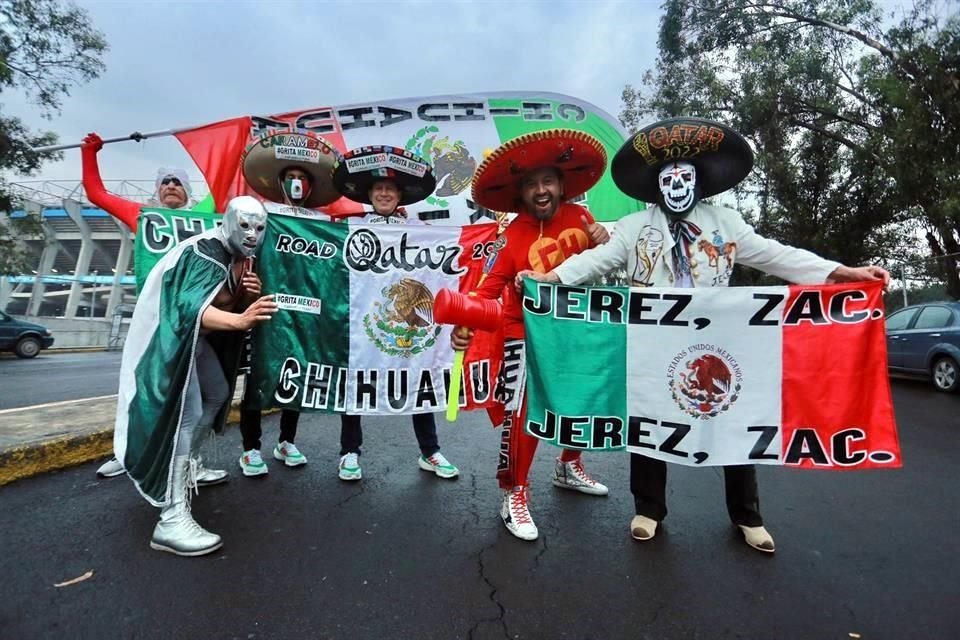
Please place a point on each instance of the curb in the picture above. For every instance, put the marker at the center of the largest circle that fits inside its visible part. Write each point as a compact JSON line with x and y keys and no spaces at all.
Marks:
{"x":53,"y":351}
{"x":35,"y":458}
{"x":28,"y":460}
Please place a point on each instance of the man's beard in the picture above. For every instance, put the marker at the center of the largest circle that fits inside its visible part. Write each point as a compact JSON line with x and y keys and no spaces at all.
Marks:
{"x":544,"y":215}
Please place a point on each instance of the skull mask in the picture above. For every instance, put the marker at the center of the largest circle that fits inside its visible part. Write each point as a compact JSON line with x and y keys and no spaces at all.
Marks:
{"x":678,"y":181}
{"x":243,"y":225}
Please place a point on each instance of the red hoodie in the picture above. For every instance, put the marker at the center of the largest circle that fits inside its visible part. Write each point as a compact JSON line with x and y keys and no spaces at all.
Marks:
{"x":541,"y":247}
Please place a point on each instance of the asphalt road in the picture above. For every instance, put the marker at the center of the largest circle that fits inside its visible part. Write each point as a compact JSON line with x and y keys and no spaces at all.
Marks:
{"x":403,"y":554}
{"x":53,"y":377}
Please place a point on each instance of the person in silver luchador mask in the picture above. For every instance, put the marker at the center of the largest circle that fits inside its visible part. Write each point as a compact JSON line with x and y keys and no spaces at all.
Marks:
{"x":179,"y":366}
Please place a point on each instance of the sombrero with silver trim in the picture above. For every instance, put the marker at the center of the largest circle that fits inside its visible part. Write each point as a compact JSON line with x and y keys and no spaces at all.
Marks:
{"x":360,"y":168}
{"x":579,"y":156}
{"x":721,"y":155}
{"x":267,"y":156}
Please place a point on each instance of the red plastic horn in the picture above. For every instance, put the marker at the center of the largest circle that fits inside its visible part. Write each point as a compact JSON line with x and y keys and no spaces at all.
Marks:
{"x":453,"y":307}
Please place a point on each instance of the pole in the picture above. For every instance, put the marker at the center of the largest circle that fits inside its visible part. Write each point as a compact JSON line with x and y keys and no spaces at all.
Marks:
{"x":903,"y":279}
{"x":136,"y":135}
{"x":93,"y":293}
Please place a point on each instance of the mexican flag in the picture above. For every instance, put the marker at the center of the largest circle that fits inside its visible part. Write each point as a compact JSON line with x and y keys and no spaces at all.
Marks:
{"x":355,"y":330}
{"x":159,"y":355}
{"x":793,"y":375}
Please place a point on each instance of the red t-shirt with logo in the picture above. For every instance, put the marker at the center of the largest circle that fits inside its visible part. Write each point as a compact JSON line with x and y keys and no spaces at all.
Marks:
{"x":533,"y":245}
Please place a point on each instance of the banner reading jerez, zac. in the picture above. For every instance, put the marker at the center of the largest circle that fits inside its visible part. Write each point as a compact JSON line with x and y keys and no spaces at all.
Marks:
{"x":791,"y":375}
{"x":355,"y":330}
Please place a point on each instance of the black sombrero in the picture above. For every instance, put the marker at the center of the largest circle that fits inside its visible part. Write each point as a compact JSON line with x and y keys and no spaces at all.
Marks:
{"x":356,"y":172}
{"x":579,"y":156}
{"x":721,"y":155}
{"x":267,"y":156}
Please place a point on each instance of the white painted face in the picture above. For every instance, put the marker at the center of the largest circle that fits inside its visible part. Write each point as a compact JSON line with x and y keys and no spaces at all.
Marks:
{"x":677,"y":184}
{"x":243,"y":225}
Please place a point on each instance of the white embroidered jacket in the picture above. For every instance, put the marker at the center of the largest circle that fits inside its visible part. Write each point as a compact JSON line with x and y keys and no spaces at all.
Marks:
{"x":642,"y":243}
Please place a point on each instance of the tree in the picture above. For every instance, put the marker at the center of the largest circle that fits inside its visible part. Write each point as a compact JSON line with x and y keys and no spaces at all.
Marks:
{"x":857,"y":128}
{"x":46,"y":47}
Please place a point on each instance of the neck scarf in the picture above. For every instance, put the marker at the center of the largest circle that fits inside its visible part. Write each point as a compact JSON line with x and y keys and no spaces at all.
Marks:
{"x":684,"y":234}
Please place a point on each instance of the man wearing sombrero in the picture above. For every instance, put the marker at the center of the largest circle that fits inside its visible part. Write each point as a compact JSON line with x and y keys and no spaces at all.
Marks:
{"x":292,"y":170}
{"x":387,"y":178}
{"x":684,"y":242}
{"x":534,"y":175}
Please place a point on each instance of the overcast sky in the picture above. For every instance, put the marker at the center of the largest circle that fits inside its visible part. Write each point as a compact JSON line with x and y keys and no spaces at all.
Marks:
{"x":174,"y":64}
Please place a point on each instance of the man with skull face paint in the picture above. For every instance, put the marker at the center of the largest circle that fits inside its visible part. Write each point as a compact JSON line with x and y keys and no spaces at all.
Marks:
{"x":291,"y":169}
{"x":179,"y":364}
{"x":683,"y":242}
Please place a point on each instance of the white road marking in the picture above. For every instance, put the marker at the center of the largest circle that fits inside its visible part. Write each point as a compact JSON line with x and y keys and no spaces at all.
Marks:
{"x":55,"y":404}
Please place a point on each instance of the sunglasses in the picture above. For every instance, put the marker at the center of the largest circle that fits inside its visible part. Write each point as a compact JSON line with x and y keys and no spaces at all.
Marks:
{"x":176,"y":181}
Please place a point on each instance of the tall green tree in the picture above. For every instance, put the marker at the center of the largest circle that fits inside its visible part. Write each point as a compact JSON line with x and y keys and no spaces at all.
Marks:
{"x":856,"y":125}
{"x":46,"y":48}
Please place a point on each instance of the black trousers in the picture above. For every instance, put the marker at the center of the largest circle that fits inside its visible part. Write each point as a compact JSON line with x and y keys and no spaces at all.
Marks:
{"x":251,"y":427}
{"x":648,"y":483}
{"x":424,"y":426}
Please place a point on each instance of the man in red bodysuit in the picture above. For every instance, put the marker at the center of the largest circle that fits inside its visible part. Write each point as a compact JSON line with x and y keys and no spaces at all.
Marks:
{"x":173,"y":187}
{"x":534,"y":175}
{"x":172,"y":192}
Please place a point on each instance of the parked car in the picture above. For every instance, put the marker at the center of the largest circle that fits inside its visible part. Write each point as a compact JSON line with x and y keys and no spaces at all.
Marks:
{"x":25,"y":339}
{"x":924,"y":339}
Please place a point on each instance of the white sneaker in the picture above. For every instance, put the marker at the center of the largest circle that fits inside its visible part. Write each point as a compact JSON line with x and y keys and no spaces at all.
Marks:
{"x":252,"y":464}
{"x":111,"y":468}
{"x":289,"y":454}
{"x":438,"y":465}
{"x":643,"y":528}
{"x":758,"y":538}
{"x":349,"y":467}
{"x":516,"y":514}
{"x":571,"y":475}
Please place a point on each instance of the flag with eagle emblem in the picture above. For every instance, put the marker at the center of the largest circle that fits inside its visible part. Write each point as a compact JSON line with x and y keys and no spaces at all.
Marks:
{"x":355,"y":332}
{"x":793,"y":375}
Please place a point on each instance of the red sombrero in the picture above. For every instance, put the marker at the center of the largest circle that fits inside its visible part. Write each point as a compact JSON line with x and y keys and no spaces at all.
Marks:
{"x":267,"y":156}
{"x":579,"y":156}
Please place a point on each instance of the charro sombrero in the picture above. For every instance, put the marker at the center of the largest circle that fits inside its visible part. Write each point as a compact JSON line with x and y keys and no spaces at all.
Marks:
{"x":579,"y":156}
{"x":720,"y":154}
{"x":267,"y":156}
{"x":358,"y":169}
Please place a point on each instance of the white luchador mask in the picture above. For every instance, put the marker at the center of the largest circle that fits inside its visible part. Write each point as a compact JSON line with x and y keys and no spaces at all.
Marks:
{"x":678,"y":182}
{"x":243,"y":225}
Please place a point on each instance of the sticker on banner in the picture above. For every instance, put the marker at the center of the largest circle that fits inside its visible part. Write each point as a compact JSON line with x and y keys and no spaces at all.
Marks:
{"x":290,"y":302}
{"x":297,"y":153}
